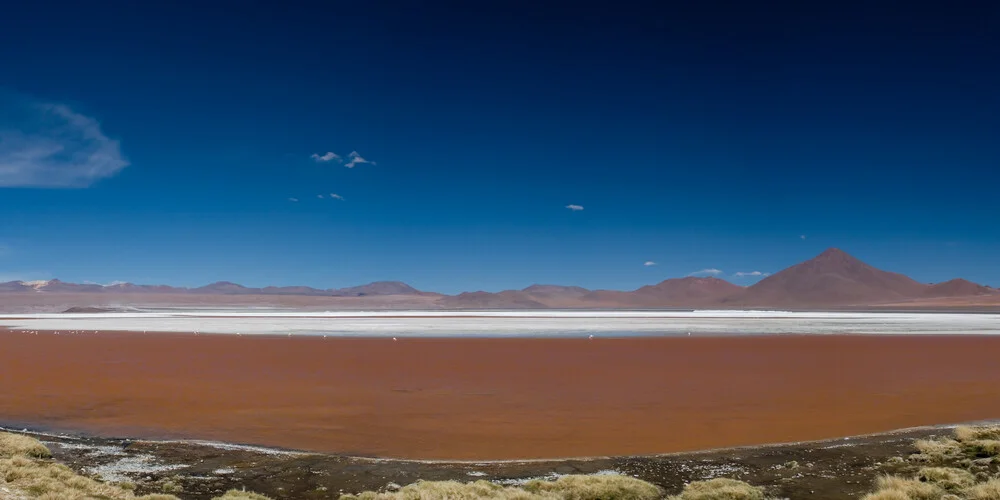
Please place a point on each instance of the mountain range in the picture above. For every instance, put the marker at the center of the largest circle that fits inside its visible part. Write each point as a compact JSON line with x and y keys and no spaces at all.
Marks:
{"x":831,"y":279}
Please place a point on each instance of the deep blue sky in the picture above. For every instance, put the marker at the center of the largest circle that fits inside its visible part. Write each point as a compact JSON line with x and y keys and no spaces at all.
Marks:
{"x":712,"y":135}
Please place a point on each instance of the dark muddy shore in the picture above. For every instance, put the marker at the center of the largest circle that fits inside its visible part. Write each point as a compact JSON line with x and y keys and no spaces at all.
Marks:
{"x":835,"y":469}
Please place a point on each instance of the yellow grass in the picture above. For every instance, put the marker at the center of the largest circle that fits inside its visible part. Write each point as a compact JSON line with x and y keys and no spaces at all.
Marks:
{"x":51,"y":481}
{"x":969,"y":433}
{"x":949,"y":478}
{"x":990,"y":490}
{"x":605,"y":486}
{"x":453,"y":490}
{"x":912,"y":489}
{"x":720,"y":489}
{"x":577,"y":487}
{"x":17,"y":444}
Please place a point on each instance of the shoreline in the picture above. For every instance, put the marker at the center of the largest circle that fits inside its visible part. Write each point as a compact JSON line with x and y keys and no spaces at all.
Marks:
{"x":82,"y":436}
{"x":823,"y":470}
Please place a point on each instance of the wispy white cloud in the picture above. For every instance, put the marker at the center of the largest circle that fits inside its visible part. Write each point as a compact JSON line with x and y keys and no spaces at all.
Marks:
{"x":707,"y":272}
{"x":319,"y":196}
{"x":336,"y":196}
{"x":649,"y":263}
{"x":354,"y":159}
{"x":51,"y":146}
{"x":293,"y":199}
{"x":744,"y":274}
{"x":328,"y":157}
{"x":575,"y":208}
{"x":802,"y":236}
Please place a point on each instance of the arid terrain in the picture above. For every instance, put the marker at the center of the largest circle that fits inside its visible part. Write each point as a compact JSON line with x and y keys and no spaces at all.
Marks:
{"x":832,"y":280}
{"x":824,"y":470}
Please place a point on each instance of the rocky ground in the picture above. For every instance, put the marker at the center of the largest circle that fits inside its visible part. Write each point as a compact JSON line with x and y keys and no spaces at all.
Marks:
{"x":843,"y":468}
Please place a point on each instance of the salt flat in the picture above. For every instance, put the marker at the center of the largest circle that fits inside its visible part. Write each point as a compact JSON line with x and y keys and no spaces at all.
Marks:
{"x":512,"y":323}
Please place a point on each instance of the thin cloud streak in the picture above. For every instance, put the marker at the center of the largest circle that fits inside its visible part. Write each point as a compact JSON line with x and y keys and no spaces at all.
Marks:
{"x":707,"y":272}
{"x":649,"y":263}
{"x":743,"y":274}
{"x":44,"y":145}
{"x":575,"y":208}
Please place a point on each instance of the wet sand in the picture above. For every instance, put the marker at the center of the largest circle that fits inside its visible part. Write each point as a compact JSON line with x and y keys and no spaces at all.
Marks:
{"x":495,"y":398}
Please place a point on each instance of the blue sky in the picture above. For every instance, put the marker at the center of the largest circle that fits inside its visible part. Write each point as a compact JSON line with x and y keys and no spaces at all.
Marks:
{"x":163,"y":142}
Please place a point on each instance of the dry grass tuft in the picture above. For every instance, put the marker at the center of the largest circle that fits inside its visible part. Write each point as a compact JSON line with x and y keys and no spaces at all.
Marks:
{"x":967,"y":433}
{"x":605,"y":486}
{"x":937,"y":450}
{"x":720,"y":489}
{"x":949,"y":478}
{"x":22,"y":468}
{"x":990,"y":490}
{"x":577,"y":487}
{"x":241,"y":495}
{"x":19,"y":445}
{"x":982,"y":448}
{"x":52,"y":481}
{"x":887,"y":487}
{"x":887,"y":495}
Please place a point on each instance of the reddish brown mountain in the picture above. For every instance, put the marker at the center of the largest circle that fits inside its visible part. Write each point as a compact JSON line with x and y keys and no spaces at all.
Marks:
{"x":691,"y":290}
{"x":675,"y":292}
{"x":376,"y":288}
{"x":833,"y":278}
{"x":956,"y":288}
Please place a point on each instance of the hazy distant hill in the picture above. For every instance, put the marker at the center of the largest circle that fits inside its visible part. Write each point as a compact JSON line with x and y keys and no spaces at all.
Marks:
{"x":831,"y":279}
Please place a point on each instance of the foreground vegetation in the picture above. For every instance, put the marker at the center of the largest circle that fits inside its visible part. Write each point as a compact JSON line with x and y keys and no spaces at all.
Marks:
{"x":963,"y":466}
{"x":27,"y":471}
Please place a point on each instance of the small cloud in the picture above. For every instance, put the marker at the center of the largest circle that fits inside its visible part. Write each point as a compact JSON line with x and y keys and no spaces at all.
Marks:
{"x":46,"y":145}
{"x":707,"y":272}
{"x":802,"y":236}
{"x":336,"y":196}
{"x":575,"y":208}
{"x":742,"y":274}
{"x":319,"y":196}
{"x":649,"y":263}
{"x":328,"y":157}
{"x":355,"y":159}
{"x":293,"y":199}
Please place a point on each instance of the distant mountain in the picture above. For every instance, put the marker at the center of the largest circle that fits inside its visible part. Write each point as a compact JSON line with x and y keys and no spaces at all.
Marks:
{"x":674,"y":292}
{"x":290,"y":290}
{"x":956,"y":288}
{"x":833,"y":278}
{"x":690,"y":290}
{"x":376,"y":288}
{"x":217,"y":288}
{"x":14,"y":286}
{"x":225,"y":287}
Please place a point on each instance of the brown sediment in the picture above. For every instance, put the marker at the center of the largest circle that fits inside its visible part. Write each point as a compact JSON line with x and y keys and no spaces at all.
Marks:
{"x":495,"y":398}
